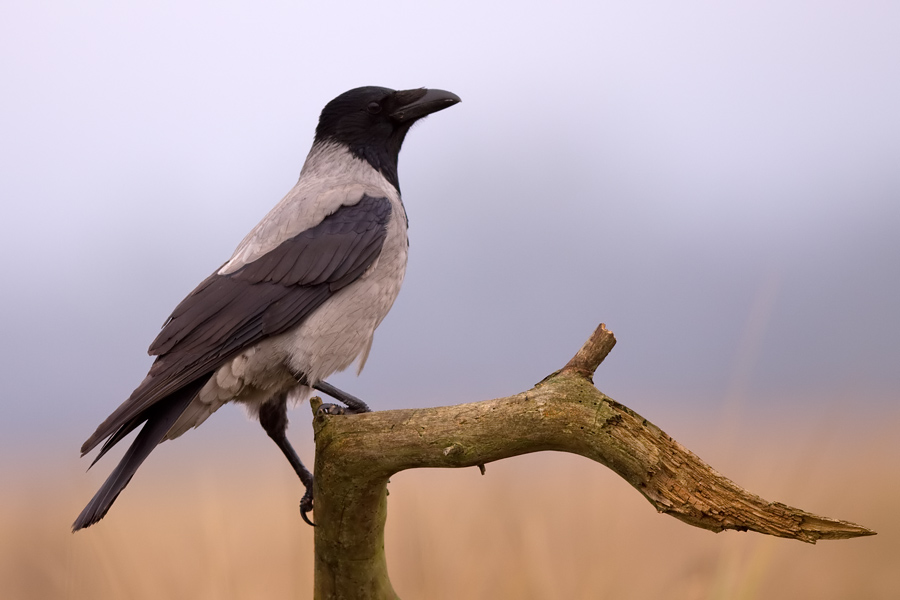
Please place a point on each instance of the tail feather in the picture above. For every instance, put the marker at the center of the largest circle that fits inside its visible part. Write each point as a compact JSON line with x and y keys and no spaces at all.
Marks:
{"x":159,"y":419}
{"x":117,"y":437}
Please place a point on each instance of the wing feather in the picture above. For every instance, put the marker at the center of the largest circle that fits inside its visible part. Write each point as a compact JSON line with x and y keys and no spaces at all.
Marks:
{"x":230,"y":312}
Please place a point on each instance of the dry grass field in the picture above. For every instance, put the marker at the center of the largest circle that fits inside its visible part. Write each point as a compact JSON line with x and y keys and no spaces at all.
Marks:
{"x":543,"y":526}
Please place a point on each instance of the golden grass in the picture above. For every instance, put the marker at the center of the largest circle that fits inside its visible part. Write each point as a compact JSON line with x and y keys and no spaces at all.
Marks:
{"x":543,"y":526}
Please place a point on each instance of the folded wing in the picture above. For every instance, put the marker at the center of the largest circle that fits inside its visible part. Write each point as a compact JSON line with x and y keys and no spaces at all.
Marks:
{"x":230,"y":312}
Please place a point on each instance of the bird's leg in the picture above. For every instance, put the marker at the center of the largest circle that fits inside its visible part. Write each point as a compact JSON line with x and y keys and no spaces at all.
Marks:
{"x":354,"y":404}
{"x":273,"y":418}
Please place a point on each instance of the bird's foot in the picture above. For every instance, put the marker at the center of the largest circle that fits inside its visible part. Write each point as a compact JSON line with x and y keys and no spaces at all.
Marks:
{"x":306,"y":505}
{"x":354,"y":404}
{"x":336,"y":409}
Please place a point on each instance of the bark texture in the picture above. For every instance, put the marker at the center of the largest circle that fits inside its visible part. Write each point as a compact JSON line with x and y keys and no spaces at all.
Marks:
{"x":356,"y":454}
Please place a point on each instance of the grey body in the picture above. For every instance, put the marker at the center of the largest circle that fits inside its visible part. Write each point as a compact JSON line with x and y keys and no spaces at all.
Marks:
{"x":299,"y":299}
{"x":342,"y":328}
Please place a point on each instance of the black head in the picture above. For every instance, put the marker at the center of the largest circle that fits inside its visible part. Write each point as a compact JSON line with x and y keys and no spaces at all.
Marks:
{"x":373,"y":121}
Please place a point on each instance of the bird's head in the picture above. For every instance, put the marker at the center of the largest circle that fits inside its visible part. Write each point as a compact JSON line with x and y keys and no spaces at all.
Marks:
{"x":373,"y":121}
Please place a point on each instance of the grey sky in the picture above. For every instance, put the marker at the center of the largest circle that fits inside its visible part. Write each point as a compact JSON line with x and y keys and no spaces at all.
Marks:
{"x":719,"y":184}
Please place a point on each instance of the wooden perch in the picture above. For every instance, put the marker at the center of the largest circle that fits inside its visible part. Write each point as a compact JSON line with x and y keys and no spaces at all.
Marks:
{"x":356,"y":454}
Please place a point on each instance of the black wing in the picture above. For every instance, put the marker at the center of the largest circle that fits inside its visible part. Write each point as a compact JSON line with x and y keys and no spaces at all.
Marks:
{"x":271,"y":295}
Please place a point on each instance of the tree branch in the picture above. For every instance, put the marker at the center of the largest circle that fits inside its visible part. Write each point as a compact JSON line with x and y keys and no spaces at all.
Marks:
{"x":356,"y":454}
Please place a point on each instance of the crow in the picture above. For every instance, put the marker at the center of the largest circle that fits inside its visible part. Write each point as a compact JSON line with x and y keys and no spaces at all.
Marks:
{"x":299,"y":299}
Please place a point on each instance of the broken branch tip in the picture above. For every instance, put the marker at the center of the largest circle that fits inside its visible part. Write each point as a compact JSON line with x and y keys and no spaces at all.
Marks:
{"x":592,"y":353}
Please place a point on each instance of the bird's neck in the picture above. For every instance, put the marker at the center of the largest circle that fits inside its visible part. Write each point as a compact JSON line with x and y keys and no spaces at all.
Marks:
{"x":327,"y":154}
{"x":335,"y":161}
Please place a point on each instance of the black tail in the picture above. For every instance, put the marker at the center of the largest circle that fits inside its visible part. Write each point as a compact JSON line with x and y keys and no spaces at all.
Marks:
{"x":159,"y":419}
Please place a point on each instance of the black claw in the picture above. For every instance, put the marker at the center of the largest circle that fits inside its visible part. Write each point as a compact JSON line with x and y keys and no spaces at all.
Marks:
{"x":305,"y":518}
{"x":306,"y":505}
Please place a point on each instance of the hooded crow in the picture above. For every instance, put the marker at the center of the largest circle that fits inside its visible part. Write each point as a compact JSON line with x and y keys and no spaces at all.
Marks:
{"x":298,"y":300}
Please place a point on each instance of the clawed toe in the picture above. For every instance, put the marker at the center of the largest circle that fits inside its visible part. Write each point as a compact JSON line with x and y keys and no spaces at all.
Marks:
{"x":355,"y":404}
{"x":306,"y":505}
{"x":332,"y":409}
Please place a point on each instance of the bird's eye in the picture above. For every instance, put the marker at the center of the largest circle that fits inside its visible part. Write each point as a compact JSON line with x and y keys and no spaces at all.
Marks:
{"x":374,"y":108}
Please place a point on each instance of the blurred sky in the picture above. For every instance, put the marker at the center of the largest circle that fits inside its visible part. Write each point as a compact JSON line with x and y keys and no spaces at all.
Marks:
{"x":719,"y":183}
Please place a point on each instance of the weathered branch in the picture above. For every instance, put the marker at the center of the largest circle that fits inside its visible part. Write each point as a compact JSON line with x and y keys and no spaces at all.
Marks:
{"x":356,"y":454}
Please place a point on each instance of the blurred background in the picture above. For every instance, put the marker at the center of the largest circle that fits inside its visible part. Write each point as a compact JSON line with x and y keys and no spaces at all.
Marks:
{"x":719,"y":184}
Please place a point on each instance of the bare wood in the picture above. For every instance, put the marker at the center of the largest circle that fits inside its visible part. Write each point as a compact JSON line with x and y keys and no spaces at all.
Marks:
{"x":356,"y":454}
{"x":592,"y":353}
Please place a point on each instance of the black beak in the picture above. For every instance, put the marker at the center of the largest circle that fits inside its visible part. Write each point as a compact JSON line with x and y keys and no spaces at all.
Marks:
{"x":415,"y":104}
